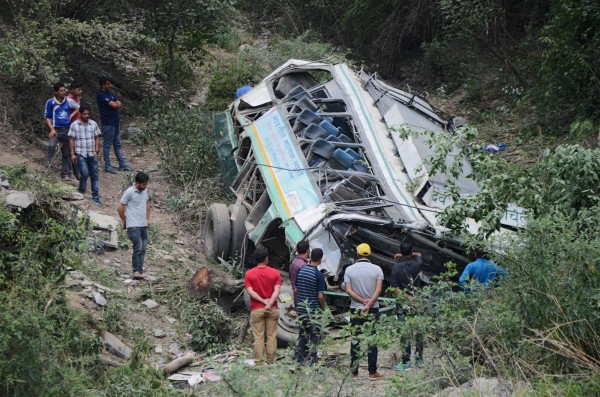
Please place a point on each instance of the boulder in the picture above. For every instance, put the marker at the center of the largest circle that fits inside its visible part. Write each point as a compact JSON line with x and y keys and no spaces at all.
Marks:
{"x":115,"y":345}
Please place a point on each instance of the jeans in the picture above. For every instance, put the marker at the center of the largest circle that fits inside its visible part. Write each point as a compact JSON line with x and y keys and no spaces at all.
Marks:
{"x":111,"y":136}
{"x":356,"y":320}
{"x":88,"y":166}
{"x":262,"y":321}
{"x":308,"y":340}
{"x":62,"y":137}
{"x":139,"y":239}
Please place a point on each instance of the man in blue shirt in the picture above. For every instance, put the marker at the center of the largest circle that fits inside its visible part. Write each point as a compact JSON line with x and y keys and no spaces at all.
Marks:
{"x":58,"y":119}
{"x":310,"y":286}
{"x":109,"y":106}
{"x":481,"y":270}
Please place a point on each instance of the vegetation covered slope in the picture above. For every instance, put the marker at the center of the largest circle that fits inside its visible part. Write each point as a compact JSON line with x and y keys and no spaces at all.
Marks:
{"x":531,"y":66}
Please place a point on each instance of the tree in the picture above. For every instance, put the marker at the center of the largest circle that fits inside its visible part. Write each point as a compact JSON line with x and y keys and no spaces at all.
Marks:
{"x":184,"y":27}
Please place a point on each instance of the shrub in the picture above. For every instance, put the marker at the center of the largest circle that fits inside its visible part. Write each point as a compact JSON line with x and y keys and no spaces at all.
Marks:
{"x":43,"y":347}
{"x":184,"y":139}
{"x":208,"y":324}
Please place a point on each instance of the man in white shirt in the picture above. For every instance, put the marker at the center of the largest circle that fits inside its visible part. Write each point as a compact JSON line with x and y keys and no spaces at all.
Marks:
{"x":134,"y":211}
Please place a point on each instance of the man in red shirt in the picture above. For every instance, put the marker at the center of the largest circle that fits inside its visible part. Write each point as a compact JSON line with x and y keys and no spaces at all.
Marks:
{"x":263,"y":284}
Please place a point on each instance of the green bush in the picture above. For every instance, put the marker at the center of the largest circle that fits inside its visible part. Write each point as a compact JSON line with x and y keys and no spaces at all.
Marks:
{"x":210,"y":327}
{"x":229,"y":75}
{"x":43,"y":347}
{"x":570,"y":66}
{"x":184,"y":140}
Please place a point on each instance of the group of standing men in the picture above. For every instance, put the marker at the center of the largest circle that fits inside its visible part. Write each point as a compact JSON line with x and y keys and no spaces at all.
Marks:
{"x":364,"y":284}
{"x":79,"y":136}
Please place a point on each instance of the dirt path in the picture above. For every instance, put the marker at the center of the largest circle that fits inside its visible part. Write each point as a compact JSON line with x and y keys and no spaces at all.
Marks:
{"x":173,"y":256}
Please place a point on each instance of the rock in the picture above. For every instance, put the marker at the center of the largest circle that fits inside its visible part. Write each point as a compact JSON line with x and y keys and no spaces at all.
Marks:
{"x":5,"y":184}
{"x":73,"y":196}
{"x":77,"y":275}
{"x":20,"y":199}
{"x":244,"y":48}
{"x":459,"y":121}
{"x":159,"y":333}
{"x":150,"y":304}
{"x":87,"y":283}
{"x":180,"y":242}
{"x":174,"y":347}
{"x":171,"y":320}
{"x":72,"y":283}
{"x":99,"y":299}
{"x":168,"y":258}
{"x":116,"y":346}
{"x":158,"y":350}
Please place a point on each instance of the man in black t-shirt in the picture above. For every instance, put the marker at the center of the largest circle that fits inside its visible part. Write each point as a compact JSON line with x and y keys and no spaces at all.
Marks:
{"x":406,"y":276}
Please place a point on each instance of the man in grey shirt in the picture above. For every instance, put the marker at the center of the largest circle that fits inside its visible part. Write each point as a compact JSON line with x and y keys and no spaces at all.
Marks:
{"x":134,"y":211}
{"x":364,"y":282}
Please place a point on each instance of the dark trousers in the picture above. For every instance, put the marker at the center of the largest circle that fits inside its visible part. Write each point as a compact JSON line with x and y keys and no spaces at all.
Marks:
{"x":139,"y":239}
{"x":419,"y":351}
{"x":62,"y":137}
{"x":356,"y":320}
{"x":88,"y":166}
{"x":308,"y":340}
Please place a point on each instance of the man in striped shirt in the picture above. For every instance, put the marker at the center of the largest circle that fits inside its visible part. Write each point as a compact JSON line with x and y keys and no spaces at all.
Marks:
{"x":85,"y":143}
{"x":310,"y":286}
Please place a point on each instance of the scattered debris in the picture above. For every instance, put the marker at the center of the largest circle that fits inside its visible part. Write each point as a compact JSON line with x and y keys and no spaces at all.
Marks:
{"x":115,"y":345}
{"x":150,"y":304}
{"x":250,"y":363}
{"x":211,"y":376}
{"x":105,"y":222}
{"x":494,"y":148}
{"x":196,"y":379}
{"x":178,"y":363}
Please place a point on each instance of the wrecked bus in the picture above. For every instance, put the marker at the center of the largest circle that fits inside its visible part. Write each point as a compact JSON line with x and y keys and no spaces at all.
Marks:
{"x":310,"y":154}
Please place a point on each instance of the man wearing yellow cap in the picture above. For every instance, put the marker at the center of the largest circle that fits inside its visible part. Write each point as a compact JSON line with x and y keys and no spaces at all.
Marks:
{"x":364,"y":282}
